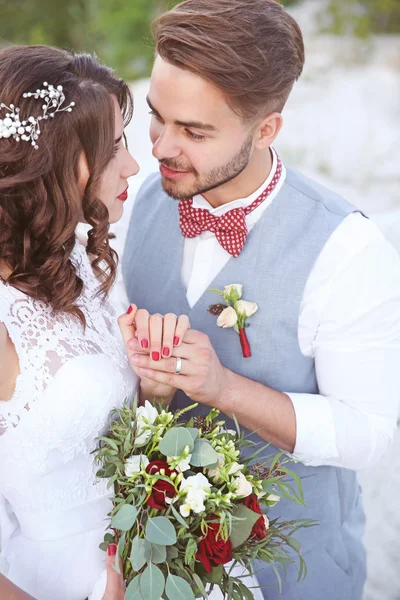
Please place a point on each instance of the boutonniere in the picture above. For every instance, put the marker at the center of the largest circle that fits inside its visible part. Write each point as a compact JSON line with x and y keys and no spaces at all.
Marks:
{"x":234,"y":312}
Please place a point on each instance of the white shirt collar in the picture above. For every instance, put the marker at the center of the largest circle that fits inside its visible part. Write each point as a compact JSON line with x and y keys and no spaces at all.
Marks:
{"x":200,"y":202}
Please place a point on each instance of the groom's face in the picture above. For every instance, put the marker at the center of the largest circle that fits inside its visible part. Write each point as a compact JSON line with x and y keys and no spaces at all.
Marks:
{"x":199,"y":141}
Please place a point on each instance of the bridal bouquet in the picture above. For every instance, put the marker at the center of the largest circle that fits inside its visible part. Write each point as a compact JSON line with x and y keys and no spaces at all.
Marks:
{"x":187,"y":502}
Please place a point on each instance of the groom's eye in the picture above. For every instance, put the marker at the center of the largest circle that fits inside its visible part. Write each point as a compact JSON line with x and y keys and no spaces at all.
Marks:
{"x":194,"y":136}
{"x":154,"y":114}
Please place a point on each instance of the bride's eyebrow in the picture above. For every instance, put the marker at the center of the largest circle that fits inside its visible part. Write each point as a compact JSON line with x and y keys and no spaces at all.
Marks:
{"x":118,"y":140}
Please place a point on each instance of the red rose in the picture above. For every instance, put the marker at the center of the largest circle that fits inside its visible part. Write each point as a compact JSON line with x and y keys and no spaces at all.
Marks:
{"x":259,"y":530}
{"x":213,"y":550}
{"x":161,"y":489}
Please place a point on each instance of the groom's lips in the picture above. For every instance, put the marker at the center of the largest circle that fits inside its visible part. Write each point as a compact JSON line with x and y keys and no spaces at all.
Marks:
{"x":171,"y":174}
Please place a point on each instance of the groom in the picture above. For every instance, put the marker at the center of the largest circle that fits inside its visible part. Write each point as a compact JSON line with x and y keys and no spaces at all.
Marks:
{"x":322,"y":383}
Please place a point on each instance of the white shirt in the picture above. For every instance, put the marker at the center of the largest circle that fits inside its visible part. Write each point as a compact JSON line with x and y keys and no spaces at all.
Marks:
{"x":349,"y":322}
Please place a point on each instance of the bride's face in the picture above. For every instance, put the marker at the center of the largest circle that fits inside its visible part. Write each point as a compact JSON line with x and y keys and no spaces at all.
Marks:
{"x":114,"y":182}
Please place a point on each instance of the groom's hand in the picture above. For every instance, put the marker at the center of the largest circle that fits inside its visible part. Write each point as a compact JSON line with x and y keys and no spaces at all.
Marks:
{"x":201,"y":377}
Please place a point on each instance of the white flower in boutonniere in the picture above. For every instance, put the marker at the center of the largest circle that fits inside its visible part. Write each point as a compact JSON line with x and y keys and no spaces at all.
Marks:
{"x":234,"y":288}
{"x":228,"y":318}
{"x":234,"y":313}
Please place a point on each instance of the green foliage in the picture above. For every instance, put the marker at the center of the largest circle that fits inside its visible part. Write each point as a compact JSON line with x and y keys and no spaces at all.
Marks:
{"x":118,"y":31}
{"x":363,"y":17}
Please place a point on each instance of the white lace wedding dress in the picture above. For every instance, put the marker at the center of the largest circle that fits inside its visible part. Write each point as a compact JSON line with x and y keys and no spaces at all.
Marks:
{"x":53,"y":510}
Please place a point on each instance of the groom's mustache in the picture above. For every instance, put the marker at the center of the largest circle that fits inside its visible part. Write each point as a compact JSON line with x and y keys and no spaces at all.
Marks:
{"x":175,"y":166}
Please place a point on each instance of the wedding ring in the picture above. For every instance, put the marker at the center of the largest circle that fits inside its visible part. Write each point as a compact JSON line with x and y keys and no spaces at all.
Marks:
{"x":178,"y":366}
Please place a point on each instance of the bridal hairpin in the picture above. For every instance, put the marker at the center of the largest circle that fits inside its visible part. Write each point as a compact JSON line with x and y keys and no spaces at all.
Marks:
{"x":28,"y":129}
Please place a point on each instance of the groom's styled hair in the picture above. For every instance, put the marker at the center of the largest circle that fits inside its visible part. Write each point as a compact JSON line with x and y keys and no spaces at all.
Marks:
{"x":252,"y":51}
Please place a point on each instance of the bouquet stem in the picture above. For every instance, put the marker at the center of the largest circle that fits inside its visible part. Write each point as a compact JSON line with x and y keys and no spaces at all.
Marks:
{"x":244,"y":342}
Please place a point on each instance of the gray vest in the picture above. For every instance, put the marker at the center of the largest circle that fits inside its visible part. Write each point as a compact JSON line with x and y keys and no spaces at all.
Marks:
{"x":273,"y":267}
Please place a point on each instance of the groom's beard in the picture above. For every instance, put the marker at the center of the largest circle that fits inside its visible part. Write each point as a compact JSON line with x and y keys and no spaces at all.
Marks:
{"x":179,"y":190}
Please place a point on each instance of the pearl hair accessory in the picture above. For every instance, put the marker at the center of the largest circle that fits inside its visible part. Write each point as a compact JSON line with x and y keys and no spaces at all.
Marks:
{"x":28,"y":130}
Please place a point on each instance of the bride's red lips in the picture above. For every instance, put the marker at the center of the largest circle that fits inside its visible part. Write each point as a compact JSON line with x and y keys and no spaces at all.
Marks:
{"x":124,"y":195}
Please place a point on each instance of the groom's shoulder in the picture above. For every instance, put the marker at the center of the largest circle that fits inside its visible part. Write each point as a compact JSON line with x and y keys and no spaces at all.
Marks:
{"x":309,"y":190}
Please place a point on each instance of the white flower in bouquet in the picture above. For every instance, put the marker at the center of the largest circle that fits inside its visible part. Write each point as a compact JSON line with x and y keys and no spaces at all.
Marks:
{"x":135,"y":464}
{"x":183,"y":465}
{"x":234,"y":468}
{"x":197,"y":488}
{"x":228,"y":318}
{"x":266,"y":521}
{"x":215,"y":474}
{"x":243,"y":487}
{"x":145,"y":415}
{"x":272,"y":499}
{"x":246,"y":308}
{"x":236,"y":287}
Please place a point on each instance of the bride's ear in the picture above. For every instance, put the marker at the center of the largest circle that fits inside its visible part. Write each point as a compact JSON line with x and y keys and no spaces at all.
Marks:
{"x":83,"y":172}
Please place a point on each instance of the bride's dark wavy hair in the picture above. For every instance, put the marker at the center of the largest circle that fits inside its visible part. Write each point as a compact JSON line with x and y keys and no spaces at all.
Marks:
{"x":41,"y":202}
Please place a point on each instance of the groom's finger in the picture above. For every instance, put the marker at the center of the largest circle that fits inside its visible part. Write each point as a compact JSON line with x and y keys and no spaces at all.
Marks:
{"x":167,"y":365}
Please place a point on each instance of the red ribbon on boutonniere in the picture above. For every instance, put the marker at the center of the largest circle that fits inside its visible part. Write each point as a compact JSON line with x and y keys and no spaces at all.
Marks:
{"x":234,"y":313}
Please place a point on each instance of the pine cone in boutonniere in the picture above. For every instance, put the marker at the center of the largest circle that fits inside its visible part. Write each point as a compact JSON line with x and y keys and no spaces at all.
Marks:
{"x":234,"y":313}
{"x":216,"y":309}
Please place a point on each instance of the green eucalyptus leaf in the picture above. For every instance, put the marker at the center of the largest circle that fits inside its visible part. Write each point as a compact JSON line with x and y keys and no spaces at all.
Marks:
{"x":152,"y":583}
{"x":109,"y":538}
{"x":177,"y":588}
{"x":125,"y":518}
{"x":241,"y":529}
{"x":159,"y":530}
{"x":158,"y":553}
{"x":175,"y":441}
{"x":140,"y":553}
{"x":172,"y":553}
{"x":203,"y":454}
{"x":133,"y":590}
{"x":194,"y":432}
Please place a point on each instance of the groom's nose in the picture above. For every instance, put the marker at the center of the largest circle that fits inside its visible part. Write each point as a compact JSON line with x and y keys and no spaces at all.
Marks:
{"x":165,"y":146}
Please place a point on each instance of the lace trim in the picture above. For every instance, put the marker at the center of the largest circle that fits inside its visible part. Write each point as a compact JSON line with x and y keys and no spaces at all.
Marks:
{"x":44,"y":341}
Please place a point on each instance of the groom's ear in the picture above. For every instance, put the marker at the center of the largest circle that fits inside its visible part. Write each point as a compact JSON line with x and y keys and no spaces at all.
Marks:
{"x":268,"y":130}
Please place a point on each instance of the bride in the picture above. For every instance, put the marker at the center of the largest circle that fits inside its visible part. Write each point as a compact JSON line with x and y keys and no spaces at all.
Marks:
{"x":63,"y":365}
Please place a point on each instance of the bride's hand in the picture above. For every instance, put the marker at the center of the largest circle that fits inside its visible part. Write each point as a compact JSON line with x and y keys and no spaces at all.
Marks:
{"x":153,"y":335}
{"x":115,"y":588}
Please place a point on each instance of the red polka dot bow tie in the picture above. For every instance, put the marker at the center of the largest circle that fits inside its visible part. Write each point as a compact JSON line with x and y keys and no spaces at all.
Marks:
{"x":230,"y":229}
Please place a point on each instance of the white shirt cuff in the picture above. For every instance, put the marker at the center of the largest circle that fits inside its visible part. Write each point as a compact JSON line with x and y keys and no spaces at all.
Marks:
{"x":315,"y":429}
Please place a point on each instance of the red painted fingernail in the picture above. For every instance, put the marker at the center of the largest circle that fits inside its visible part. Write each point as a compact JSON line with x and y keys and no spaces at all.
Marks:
{"x":155,"y":356}
{"x":128,"y":312}
{"x":112,"y":549}
{"x":176,"y":341}
{"x":166,"y":351}
{"x":144,"y":344}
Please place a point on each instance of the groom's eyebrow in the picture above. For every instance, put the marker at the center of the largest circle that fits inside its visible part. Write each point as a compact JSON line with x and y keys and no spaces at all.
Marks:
{"x":194,"y":124}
